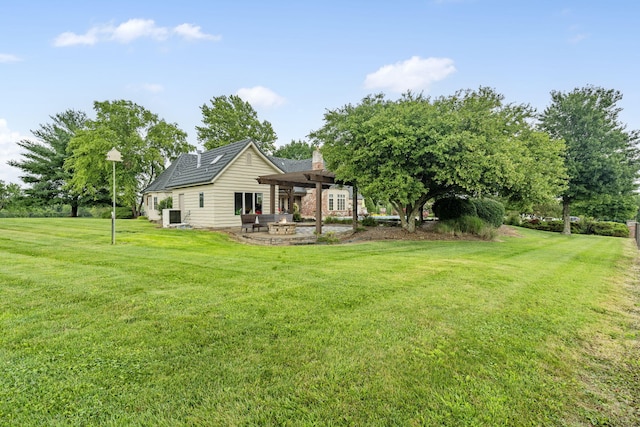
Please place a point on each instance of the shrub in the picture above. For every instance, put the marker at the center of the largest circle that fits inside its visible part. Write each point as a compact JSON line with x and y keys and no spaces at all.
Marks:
{"x":488,"y":233}
{"x":165,"y":204}
{"x":607,"y":228}
{"x":584,"y":226}
{"x":337,"y":220}
{"x":329,"y":238}
{"x":446,"y":227}
{"x":369,"y":221}
{"x":453,"y":208}
{"x":470,"y":224}
{"x":489,"y":210}
{"x":513,"y":219}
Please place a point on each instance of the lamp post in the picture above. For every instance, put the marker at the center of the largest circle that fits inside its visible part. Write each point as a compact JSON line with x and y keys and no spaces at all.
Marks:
{"x":114,"y":156}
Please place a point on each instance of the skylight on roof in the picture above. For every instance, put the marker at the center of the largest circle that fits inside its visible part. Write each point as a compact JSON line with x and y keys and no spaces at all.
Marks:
{"x":214,"y":161}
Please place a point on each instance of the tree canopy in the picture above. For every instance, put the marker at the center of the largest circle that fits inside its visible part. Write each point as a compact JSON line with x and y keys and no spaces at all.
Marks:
{"x":230,"y":119}
{"x":417,"y":149}
{"x":296,"y":150}
{"x":43,"y":160}
{"x":146,"y":142}
{"x":10,"y":193}
{"x":601,"y":157}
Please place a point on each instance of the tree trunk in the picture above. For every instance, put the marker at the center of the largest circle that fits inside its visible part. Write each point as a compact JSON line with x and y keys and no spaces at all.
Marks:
{"x":411,"y":213}
{"x":139,"y":211}
{"x":566,"y":215}
{"x":74,"y":209}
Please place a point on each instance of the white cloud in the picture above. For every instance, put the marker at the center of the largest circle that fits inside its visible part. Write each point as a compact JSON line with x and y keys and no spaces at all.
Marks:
{"x":131,"y":30}
{"x":9,"y":150}
{"x":413,"y":74}
{"x":193,"y":32}
{"x":7,"y":58}
{"x":260,"y":96}
{"x":138,"y":28}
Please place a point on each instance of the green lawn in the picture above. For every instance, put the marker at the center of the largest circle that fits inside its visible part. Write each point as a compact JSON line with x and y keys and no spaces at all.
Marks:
{"x":184,"y":327}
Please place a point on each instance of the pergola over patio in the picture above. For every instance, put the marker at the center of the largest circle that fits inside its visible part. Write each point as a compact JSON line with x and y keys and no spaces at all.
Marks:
{"x":315,"y":178}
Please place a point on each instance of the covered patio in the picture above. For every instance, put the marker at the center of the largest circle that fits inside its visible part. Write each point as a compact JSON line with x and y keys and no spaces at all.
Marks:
{"x":316,"y":178}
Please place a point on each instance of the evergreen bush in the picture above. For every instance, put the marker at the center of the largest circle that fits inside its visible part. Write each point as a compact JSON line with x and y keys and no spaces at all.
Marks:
{"x":453,"y":208}
{"x":489,"y":210}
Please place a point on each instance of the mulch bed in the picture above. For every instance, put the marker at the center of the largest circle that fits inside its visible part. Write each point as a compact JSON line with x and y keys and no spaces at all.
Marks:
{"x":425,"y":232}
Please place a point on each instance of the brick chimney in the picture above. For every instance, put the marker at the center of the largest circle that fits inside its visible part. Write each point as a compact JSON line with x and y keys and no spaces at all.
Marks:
{"x":317,"y":162}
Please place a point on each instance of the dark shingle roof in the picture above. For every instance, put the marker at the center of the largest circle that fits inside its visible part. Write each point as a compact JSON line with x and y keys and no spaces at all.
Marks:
{"x":289,"y":165}
{"x":184,"y":171}
{"x":160,"y":183}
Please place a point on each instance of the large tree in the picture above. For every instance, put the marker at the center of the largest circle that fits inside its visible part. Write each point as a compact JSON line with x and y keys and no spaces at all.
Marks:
{"x":296,"y":150}
{"x":601,"y":157}
{"x":607,"y":208}
{"x":416,"y":149}
{"x":229,"y":119}
{"x":10,"y":194}
{"x":146,"y":142}
{"x":43,"y":161}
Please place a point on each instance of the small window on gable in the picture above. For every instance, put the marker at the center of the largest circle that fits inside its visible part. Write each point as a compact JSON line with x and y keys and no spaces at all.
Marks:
{"x":248,"y":159}
{"x":214,"y":161}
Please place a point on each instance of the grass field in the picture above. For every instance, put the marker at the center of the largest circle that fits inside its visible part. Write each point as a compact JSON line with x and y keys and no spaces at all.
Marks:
{"x":184,"y":327}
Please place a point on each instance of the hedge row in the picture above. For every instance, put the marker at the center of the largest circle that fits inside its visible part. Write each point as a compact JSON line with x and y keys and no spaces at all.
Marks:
{"x":601,"y":228}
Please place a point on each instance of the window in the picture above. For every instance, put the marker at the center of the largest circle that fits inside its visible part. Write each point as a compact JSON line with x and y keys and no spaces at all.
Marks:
{"x":202,"y":200}
{"x":330,"y":201}
{"x":341,"y":202}
{"x":246,"y":203}
{"x":155,"y":203}
{"x":237,"y":203}
{"x":258,"y":202}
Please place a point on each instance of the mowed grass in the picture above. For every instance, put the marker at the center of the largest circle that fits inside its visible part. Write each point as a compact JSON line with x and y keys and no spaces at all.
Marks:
{"x":186,"y":327}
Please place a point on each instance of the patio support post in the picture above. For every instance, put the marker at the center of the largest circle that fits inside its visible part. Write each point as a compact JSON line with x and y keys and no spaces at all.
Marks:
{"x":318,"y":208}
{"x":291,"y":200}
{"x":272,"y":199}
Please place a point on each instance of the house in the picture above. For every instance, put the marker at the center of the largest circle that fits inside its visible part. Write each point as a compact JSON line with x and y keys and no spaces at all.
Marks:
{"x":213,"y":188}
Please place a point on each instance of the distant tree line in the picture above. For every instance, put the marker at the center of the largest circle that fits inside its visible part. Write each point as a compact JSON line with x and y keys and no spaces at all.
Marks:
{"x":407,"y":152}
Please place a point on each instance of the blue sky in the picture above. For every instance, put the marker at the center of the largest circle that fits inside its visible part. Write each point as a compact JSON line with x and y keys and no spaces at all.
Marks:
{"x":294,"y":59}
